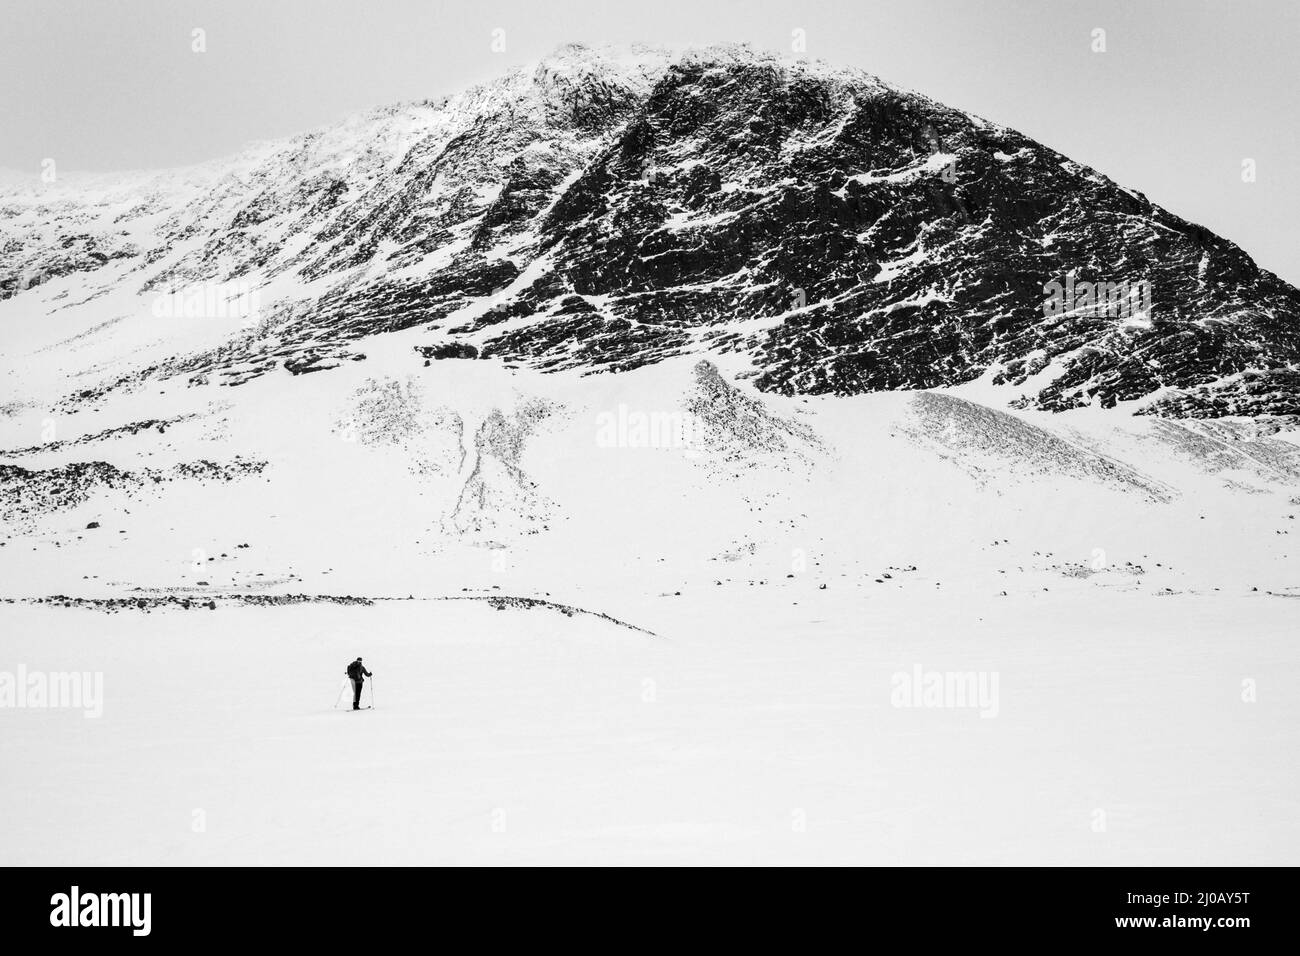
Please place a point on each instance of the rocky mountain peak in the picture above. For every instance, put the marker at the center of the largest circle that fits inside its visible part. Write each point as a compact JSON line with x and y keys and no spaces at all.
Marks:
{"x":605,"y":208}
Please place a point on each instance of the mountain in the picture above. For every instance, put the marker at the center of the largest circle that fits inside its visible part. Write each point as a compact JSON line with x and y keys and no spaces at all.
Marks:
{"x":770,"y":260}
{"x":861,"y":424}
{"x":601,"y":210}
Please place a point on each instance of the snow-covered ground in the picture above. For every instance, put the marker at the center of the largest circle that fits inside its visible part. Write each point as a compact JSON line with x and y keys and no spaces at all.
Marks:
{"x":746,"y":732}
{"x":1122,"y":588}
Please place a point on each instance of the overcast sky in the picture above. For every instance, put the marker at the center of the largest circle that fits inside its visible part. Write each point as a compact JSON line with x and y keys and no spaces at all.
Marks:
{"x":1185,"y":91}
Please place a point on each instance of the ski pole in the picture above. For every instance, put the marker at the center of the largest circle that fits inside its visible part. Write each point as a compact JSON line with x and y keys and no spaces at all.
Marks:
{"x":340,"y":694}
{"x":372,"y":691}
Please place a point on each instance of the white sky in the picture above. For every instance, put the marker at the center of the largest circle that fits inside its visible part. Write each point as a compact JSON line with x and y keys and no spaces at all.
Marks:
{"x":1184,"y":92}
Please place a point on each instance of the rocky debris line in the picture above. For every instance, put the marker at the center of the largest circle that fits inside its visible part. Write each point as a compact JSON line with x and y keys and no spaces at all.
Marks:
{"x":182,"y":602}
{"x":27,"y":493}
{"x":131,"y":428}
{"x":502,"y":602}
{"x":1014,"y":447}
{"x":24,"y":492}
{"x":204,"y":470}
{"x":152,"y":602}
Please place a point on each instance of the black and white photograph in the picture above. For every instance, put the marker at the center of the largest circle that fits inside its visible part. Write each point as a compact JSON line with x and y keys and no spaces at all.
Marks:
{"x":798,"y":433}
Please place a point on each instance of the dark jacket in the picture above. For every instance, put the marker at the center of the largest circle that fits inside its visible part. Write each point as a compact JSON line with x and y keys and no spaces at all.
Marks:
{"x":355,"y":670}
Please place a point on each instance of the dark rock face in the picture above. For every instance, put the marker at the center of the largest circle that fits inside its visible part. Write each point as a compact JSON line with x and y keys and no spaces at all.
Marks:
{"x":449,"y":350}
{"x":801,"y":192}
{"x":847,"y":236}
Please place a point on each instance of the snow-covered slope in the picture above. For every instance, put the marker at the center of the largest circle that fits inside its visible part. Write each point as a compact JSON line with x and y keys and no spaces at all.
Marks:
{"x":762,"y":586}
{"x":653,"y":614}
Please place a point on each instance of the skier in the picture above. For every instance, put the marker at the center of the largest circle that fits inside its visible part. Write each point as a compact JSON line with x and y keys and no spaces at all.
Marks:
{"x":357,"y":673}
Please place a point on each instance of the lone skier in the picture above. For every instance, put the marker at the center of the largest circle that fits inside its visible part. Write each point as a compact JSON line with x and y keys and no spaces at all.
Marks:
{"x":357,"y":673}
